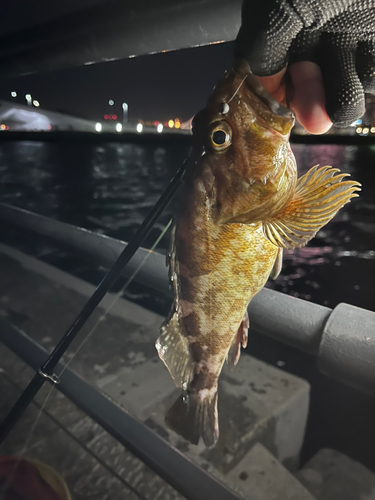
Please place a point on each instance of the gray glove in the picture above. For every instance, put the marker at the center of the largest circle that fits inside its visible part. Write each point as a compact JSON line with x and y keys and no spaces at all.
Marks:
{"x":338,"y":35}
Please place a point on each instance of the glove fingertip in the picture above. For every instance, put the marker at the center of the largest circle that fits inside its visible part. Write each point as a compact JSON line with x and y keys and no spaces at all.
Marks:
{"x":345,"y":103}
{"x":256,"y":54}
{"x":344,"y":116}
{"x":345,"y":97}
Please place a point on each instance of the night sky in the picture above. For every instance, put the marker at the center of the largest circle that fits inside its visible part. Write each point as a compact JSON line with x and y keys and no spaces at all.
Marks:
{"x":156,"y":87}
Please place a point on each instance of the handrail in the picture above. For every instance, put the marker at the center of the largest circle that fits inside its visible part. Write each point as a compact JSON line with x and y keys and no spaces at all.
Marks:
{"x":343,"y":339}
{"x":101,"y":250}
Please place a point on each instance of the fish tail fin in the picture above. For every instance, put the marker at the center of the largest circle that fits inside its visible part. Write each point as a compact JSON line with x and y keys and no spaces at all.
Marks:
{"x":173,"y":350}
{"x":195,"y":416}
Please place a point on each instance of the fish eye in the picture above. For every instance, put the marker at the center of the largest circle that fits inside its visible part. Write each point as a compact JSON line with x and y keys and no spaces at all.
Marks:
{"x":221,"y":136}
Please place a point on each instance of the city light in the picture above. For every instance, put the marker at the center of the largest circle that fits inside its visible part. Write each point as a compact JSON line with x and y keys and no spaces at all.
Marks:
{"x":118,"y":127}
{"x":177,"y":123}
{"x":159,"y":128}
{"x":171,"y":124}
{"x":111,"y":102}
{"x":372,"y":130}
{"x":98,"y":127}
{"x":359,"y":130}
{"x":365,"y":131}
{"x":28,"y":99}
{"x":3,"y":127}
{"x":13,"y":94}
{"x":36,"y":103}
{"x":139,"y":127}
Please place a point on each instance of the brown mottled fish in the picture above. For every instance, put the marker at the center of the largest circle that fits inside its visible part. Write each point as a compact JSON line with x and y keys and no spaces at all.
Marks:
{"x":240,"y":204}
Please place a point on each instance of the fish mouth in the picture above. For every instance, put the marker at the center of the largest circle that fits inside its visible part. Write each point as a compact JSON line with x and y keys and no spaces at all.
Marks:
{"x":242,"y":68}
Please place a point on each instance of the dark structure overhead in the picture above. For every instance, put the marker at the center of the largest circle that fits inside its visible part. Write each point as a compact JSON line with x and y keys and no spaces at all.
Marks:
{"x":107,"y":30}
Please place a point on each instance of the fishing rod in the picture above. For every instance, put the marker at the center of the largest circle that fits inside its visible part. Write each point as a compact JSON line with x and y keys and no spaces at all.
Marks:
{"x":46,"y":370}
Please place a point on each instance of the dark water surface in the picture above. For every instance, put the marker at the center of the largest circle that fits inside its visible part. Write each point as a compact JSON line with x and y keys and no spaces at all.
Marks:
{"x":111,"y":187}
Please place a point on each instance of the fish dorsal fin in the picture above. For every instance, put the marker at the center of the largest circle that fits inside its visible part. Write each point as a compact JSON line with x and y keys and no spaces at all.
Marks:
{"x":319,"y":194}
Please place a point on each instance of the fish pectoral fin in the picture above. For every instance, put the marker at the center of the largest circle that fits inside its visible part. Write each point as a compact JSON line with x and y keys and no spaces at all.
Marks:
{"x":173,"y":350}
{"x":277,"y":265}
{"x":240,"y":338}
{"x":319,"y":194}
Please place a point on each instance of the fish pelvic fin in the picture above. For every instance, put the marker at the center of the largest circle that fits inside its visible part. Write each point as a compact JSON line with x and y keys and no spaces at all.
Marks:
{"x":319,"y":195}
{"x":240,"y":339}
{"x":173,"y":350}
{"x":194,"y":416}
{"x":277,"y":265}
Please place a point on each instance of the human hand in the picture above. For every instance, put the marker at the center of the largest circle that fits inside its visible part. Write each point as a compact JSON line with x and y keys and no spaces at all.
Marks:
{"x":307,"y":96}
{"x":329,"y":45}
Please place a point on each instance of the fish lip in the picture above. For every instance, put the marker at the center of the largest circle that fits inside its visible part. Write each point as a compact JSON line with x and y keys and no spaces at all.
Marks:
{"x":242,"y":67}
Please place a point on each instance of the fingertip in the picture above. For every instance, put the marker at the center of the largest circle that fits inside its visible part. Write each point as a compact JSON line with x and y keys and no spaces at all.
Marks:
{"x":314,"y":119}
{"x":308,"y":101}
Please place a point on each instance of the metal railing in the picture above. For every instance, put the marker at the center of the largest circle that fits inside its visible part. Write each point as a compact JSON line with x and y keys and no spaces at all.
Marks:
{"x":343,"y":339}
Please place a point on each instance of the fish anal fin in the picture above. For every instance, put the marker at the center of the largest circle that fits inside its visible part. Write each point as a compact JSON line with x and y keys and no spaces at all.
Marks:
{"x":173,"y":350}
{"x":319,"y":194}
{"x":194,"y":416}
{"x":277,"y":265}
{"x":240,"y":339}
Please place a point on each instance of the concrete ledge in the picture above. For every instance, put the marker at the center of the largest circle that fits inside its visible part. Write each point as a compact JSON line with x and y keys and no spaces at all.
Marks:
{"x":260,"y":474}
{"x":331,"y":475}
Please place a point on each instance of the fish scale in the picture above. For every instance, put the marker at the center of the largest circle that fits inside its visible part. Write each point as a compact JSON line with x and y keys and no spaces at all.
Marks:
{"x":239,"y":206}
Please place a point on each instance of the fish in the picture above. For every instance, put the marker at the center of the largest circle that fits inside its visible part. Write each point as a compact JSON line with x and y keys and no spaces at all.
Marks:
{"x":240,"y":204}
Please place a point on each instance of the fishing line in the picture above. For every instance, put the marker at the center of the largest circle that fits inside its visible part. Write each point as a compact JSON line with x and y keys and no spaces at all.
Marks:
{"x":117,"y":296}
{"x":238,"y":88}
{"x":22,"y":453}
